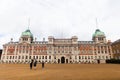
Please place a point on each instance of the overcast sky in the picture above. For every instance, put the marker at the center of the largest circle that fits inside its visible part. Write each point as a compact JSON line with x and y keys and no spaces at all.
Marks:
{"x":59,"y":18}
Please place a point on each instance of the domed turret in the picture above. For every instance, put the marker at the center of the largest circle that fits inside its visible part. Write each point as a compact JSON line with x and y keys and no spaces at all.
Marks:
{"x":27,"y":33}
{"x":98,"y":33}
{"x":26,"y":36}
{"x":99,"y":36}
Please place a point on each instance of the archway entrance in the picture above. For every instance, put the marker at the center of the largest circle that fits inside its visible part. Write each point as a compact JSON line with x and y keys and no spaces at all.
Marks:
{"x":62,"y":60}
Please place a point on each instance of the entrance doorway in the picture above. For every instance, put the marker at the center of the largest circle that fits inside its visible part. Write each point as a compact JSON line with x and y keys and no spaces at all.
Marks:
{"x":58,"y":61}
{"x":66,"y":60}
{"x":98,"y":61}
{"x":62,"y":60}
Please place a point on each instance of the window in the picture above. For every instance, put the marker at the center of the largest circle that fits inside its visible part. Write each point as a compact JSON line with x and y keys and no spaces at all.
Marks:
{"x":33,"y":57}
{"x":58,"y":51}
{"x":82,"y":57}
{"x":95,"y":52}
{"x":10,"y":57}
{"x":99,"y":57}
{"x":36,"y":57}
{"x":106,"y":57}
{"x":95,"y":57}
{"x":23,"y":47}
{"x":54,"y":57}
{"x":102,"y":57}
{"x":98,"y":51}
{"x":42,"y":57}
{"x":70,"y":57}
{"x":45,"y":57}
{"x":91,"y":57}
{"x":98,"y":47}
{"x":29,"y":57}
{"x":75,"y":57}
{"x":19,"y":57}
{"x":22,"y":57}
{"x":88,"y":57}
{"x":101,"y":47}
{"x":39,"y":57}
{"x":23,"y":51}
{"x":102,"y":52}
{"x":105,"y":51}
{"x":26,"y":57}
{"x":19,"y":51}
{"x":49,"y":57}
{"x":109,"y":50}
{"x":110,"y":57}
{"x":27,"y":51}
{"x":85,"y":57}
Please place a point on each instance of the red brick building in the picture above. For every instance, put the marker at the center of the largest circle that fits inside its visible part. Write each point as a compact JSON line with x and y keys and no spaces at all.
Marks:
{"x":57,"y":50}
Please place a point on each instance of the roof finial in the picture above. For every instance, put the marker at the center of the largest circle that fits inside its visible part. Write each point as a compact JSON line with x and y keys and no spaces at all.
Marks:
{"x":28,"y":22}
{"x":96,"y":23}
{"x":61,"y":32}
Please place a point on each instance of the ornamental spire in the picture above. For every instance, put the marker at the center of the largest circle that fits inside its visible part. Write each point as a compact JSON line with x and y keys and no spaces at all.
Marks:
{"x":28,"y":23}
{"x":96,"y":24}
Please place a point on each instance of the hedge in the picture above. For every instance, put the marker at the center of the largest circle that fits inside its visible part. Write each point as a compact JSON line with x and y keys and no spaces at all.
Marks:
{"x":113,"y":61}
